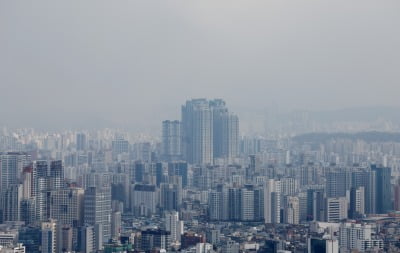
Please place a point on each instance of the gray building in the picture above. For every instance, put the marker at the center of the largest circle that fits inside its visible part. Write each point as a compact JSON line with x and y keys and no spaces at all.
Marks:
{"x":171,"y":140}
{"x":67,"y":206}
{"x":383,"y":189}
{"x":97,"y":209}
{"x":209,"y":131}
{"x":80,"y":142}
{"x":336,"y":183}
{"x":225,"y":131}
{"x":11,"y":203}
{"x":197,"y":132}
{"x":366,"y":179}
{"x":144,"y":199}
{"x":170,"y":196}
{"x":11,"y":167}
{"x":155,"y":239}
{"x":86,"y":239}
{"x":119,"y":146}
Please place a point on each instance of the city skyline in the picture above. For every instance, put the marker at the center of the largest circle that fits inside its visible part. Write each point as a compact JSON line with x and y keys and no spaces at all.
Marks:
{"x":224,"y":126}
{"x":87,"y":191}
{"x":255,"y":122}
{"x":269,"y":55}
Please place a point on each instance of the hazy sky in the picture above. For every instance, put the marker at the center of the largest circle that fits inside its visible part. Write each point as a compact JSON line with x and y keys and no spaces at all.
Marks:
{"x":133,"y":63}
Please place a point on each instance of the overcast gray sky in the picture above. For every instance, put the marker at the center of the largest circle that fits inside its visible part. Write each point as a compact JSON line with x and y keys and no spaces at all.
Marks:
{"x":133,"y":63}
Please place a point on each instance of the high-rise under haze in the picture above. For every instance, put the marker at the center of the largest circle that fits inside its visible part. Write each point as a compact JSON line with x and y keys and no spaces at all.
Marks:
{"x":197,"y":131}
{"x":80,"y":141}
{"x":225,"y":130}
{"x":209,"y":131}
{"x":171,"y":140}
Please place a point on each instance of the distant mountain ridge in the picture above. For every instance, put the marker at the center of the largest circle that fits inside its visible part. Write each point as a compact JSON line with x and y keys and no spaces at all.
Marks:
{"x":359,"y":113}
{"x":372,"y":136}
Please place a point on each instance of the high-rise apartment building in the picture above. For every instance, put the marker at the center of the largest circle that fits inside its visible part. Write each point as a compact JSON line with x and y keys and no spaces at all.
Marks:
{"x":56,"y":179}
{"x":65,"y":241}
{"x":155,"y":239}
{"x":289,"y":186}
{"x":246,"y":204}
{"x":179,"y":168}
{"x":119,"y":146}
{"x":272,"y":201}
{"x":142,"y":151}
{"x":291,"y":211}
{"x":171,"y":140}
{"x":366,"y":179}
{"x":197,"y":132}
{"x":10,"y":203}
{"x":357,"y":237}
{"x":327,"y":245}
{"x":11,"y":168}
{"x":86,"y":239}
{"x":308,"y":174}
{"x":46,"y":179}
{"x":357,"y":202}
{"x":316,"y":204}
{"x":336,"y":209}
{"x":28,"y":211}
{"x":225,"y":131}
{"x":209,"y":131}
{"x":67,"y":206}
{"x":116,"y":224}
{"x":383,"y":189}
{"x":97,"y":209}
{"x":173,"y":225}
{"x":215,"y":205}
{"x":237,"y":204}
{"x":396,"y":194}
{"x":80,"y":142}
{"x":144,"y":199}
{"x":49,"y":236}
{"x":41,"y":189}
{"x":158,"y":170}
{"x":170,"y":196}
{"x":27,"y":180}
{"x":336,"y":183}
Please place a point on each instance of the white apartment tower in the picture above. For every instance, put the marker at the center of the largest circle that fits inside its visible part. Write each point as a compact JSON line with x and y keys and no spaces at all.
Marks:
{"x":360,"y":200}
{"x":357,"y":237}
{"x":272,"y":205}
{"x":173,"y":225}
{"x":292,"y":210}
{"x":336,"y":209}
{"x":49,"y":236}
